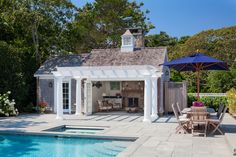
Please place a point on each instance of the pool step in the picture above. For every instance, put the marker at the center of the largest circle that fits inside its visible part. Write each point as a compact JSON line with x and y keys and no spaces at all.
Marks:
{"x":104,"y":150}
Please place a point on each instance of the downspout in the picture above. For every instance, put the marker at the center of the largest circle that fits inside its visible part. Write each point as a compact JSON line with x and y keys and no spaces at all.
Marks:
{"x":37,"y":90}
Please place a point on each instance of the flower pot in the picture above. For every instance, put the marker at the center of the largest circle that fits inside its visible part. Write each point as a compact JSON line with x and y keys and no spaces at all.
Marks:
{"x":42,"y":110}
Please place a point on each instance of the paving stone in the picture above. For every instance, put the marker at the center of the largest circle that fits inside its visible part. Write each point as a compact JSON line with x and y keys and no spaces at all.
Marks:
{"x":154,"y":139}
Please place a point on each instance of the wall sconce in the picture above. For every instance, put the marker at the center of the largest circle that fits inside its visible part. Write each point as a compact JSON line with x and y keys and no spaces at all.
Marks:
{"x":50,"y":84}
{"x":104,"y":94}
{"x":97,"y":84}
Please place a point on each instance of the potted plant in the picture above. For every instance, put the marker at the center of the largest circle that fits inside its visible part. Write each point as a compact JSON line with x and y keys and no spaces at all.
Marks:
{"x":198,"y":104}
{"x":42,"y":107}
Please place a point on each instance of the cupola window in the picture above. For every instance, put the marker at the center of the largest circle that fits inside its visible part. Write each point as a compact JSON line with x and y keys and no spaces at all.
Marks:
{"x":127,"y":41}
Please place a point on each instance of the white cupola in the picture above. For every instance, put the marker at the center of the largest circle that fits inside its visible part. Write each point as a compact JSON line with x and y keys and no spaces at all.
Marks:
{"x":127,"y":42}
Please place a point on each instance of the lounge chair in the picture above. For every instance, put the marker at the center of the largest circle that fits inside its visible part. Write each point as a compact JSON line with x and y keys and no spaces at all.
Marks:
{"x":215,"y":122}
{"x":182,"y":121}
{"x":103,"y":105}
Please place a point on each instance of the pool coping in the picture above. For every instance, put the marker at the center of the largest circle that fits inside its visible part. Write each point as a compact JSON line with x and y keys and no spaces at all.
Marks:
{"x":53,"y":129}
{"x":69,"y":135}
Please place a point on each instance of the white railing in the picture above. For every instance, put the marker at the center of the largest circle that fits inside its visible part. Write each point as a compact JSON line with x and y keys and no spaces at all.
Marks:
{"x":208,"y":94}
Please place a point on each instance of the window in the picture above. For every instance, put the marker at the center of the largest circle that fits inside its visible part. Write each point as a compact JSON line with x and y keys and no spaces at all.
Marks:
{"x":115,"y":85}
{"x":65,"y":95}
{"x":127,"y":41}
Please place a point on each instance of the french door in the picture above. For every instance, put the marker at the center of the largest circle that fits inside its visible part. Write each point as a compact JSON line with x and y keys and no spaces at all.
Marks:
{"x":66,"y":96}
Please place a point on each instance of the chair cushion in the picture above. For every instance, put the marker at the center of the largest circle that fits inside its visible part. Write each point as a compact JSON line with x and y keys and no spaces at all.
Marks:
{"x":182,"y":119}
{"x":183,"y":116}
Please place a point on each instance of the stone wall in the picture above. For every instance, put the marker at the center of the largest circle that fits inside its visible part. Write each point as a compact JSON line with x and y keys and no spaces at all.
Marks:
{"x":133,"y":89}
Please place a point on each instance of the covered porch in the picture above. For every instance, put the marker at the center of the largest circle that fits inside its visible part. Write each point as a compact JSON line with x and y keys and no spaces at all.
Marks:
{"x":124,"y":86}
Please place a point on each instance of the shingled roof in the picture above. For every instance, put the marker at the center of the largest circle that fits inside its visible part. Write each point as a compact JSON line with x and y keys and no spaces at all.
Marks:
{"x":60,"y":61}
{"x":114,"y":57}
{"x":106,"y":57}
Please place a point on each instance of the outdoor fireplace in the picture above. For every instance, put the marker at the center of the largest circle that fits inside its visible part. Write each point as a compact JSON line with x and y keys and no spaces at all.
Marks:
{"x":132,"y":102}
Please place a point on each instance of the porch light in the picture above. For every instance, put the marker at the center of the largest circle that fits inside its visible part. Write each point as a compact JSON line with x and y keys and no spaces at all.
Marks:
{"x":97,"y":84}
{"x":50,"y":84}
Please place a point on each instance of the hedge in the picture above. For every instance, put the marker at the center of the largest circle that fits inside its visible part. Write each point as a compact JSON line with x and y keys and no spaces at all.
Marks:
{"x":209,"y":101}
{"x":231,"y":95}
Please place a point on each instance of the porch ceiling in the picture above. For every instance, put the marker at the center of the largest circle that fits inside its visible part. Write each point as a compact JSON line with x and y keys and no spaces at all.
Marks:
{"x":108,"y":72}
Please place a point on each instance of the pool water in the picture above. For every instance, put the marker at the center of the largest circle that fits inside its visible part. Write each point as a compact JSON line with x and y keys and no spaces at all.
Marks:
{"x":46,"y":146}
{"x":76,"y":130}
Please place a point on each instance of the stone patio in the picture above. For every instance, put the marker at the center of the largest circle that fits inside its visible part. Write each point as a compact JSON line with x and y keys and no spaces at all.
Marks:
{"x":156,"y":139}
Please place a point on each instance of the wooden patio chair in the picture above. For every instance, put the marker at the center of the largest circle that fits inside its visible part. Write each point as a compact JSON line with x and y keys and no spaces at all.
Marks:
{"x":198,"y":119}
{"x":181,"y":115}
{"x":215,"y":122}
{"x":220,"y":110}
{"x":183,"y":122}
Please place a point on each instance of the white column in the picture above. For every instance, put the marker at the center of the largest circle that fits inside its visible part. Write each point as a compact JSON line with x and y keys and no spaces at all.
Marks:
{"x":69,"y":96}
{"x":147,"y":100}
{"x":78,"y":97}
{"x":161,"y":95}
{"x":154,"y":98}
{"x":88,"y":97}
{"x":55,"y":95}
{"x":59,"y":98}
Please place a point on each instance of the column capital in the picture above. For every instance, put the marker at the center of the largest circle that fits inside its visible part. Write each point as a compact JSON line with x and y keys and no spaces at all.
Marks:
{"x":154,"y":78}
{"x":58,"y":77}
{"x":77,"y":78}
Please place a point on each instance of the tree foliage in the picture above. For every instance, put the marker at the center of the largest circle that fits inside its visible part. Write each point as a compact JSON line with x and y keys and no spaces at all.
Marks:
{"x":162,"y":39}
{"x":30,"y":32}
{"x":220,"y":44}
{"x":102,"y":23}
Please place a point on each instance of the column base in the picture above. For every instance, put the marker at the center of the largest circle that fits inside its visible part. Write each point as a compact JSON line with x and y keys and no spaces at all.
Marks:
{"x":78,"y":114}
{"x":154,"y":117}
{"x":88,"y":114}
{"x":59,"y":118}
{"x":147,"y":120}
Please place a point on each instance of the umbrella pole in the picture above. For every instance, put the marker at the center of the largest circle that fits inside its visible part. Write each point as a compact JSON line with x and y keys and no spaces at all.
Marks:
{"x":198,"y":85}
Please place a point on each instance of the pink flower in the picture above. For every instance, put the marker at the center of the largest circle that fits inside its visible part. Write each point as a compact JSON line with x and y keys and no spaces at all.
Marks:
{"x":198,"y":104}
{"x":42,"y":104}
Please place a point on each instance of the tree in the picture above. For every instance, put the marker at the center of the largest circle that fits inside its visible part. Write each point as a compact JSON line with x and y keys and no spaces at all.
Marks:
{"x":102,"y":23}
{"x":31,"y":31}
{"x":162,"y":39}
{"x":218,"y":43}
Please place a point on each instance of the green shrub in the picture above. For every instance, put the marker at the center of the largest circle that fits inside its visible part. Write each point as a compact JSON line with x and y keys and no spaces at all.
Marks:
{"x":30,"y":108}
{"x":231,"y":97}
{"x":7,"y":107}
{"x":209,"y":101}
{"x":191,"y":99}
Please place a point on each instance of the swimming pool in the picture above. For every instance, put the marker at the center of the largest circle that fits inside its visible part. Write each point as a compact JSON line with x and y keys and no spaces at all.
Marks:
{"x":76,"y":129}
{"x":49,"y":146}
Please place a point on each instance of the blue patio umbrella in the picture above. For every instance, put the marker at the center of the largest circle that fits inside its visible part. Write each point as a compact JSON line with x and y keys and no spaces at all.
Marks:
{"x":196,"y":63}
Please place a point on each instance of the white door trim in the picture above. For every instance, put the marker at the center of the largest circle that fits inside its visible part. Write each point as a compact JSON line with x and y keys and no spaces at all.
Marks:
{"x":69,"y":92}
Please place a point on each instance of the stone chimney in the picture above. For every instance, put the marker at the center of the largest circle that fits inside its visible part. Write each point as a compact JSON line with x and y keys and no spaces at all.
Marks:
{"x":139,"y":37}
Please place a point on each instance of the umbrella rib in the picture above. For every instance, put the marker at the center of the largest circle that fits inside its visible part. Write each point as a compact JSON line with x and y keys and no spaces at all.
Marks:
{"x":182,"y":67}
{"x":214,"y":64}
{"x":209,"y":65}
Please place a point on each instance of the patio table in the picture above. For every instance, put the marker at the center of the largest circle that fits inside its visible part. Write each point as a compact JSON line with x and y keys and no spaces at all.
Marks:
{"x":194,"y":112}
{"x":209,"y":110}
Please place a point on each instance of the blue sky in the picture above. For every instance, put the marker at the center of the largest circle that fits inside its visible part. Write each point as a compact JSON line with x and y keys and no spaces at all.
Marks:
{"x":186,"y":17}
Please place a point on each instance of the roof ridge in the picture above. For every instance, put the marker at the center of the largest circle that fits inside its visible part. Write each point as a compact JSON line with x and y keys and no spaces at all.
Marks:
{"x":159,"y":47}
